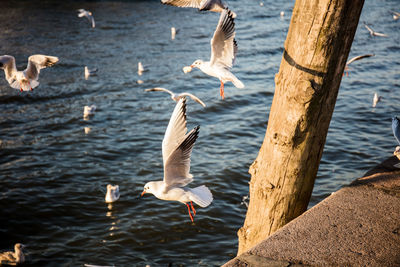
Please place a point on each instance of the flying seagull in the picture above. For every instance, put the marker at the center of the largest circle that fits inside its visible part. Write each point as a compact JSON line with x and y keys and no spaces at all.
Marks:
{"x":202,"y":5}
{"x":374,"y":33}
{"x":177,"y":147}
{"x":88,"y":15}
{"x":176,"y":97}
{"x":223,"y":53}
{"x":346,"y":68}
{"x":376,"y":100}
{"x":396,"y":15}
{"x":13,"y":258}
{"x":27,"y":79}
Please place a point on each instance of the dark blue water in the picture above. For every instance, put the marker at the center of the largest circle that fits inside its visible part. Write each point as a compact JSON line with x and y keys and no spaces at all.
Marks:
{"x":53,"y":176}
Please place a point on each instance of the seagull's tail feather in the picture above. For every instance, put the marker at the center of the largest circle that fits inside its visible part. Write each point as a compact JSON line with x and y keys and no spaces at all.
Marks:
{"x":201,"y":196}
{"x":34,"y":84}
{"x":237,"y":83}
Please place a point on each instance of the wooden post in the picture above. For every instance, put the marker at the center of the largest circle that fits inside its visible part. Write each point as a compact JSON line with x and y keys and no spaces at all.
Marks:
{"x":316,"y":48}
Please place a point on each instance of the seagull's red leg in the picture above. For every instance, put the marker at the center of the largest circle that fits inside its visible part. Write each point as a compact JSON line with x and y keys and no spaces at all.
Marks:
{"x":221,"y":90}
{"x":21,"y":89}
{"x":194,"y":211}
{"x":191,"y":217}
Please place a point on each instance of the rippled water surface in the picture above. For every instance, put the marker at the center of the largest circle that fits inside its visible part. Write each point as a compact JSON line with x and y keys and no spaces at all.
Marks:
{"x":53,"y":176}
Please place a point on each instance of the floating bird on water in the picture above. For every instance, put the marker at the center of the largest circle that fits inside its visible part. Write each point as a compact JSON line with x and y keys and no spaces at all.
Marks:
{"x":202,"y":5}
{"x":112,"y":194}
{"x":13,"y":258}
{"x":176,"y":97}
{"x":346,"y":68}
{"x":89,"y":72}
{"x":374,"y":33}
{"x":173,"y":33}
{"x":223,"y":53}
{"x":177,"y":147}
{"x":89,"y":110}
{"x":27,"y":79}
{"x":140,"y":68}
{"x":376,"y":100}
{"x":88,"y":15}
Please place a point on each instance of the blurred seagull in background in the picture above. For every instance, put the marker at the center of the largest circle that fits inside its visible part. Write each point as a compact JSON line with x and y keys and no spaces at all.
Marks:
{"x":13,"y":258}
{"x":89,"y":110}
{"x":396,"y":15}
{"x":112,"y":194}
{"x":28,"y":79}
{"x":177,"y":147}
{"x":396,"y":133}
{"x":374,"y":33}
{"x":176,"y":97}
{"x":223,"y":53}
{"x":89,"y":72}
{"x":346,"y":68}
{"x":88,"y":15}
{"x":140,"y":68}
{"x":376,"y":100}
{"x":202,"y":5}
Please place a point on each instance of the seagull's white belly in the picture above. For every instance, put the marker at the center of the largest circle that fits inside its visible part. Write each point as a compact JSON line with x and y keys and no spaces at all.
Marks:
{"x":174,"y":194}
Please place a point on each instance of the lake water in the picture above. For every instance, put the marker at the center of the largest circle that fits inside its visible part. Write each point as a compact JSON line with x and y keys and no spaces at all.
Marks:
{"x":53,"y":176}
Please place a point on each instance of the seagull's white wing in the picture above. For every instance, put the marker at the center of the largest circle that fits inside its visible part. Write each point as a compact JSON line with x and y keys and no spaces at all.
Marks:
{"x":183,"y":3}
{"x":177,"y":166}
{"x":223,"y":44}
{"x":369,"y":29}
{"x":176,"y":130}
{"x":8,"y":64}
{"x":91,"y":20}
{"x":380,"y":34}
{"x":38,"y":62}
{"x":358,"y":58}
{"x":160,"y":89}
{"x":193,"y":97}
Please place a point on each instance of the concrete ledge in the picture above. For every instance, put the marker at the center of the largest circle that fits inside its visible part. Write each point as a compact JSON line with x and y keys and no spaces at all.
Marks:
{"x":358,"y":225}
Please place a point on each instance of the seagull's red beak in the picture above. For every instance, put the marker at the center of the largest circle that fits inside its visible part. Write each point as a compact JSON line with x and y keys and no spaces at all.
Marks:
{"x":144,"y":192}
{"x":192,"y":66}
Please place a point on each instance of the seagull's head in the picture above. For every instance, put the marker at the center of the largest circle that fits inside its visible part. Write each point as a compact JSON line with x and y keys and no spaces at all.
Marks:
{"x":149,"y":188}
{"x":197,"y":63}
{"x":19,"y":247}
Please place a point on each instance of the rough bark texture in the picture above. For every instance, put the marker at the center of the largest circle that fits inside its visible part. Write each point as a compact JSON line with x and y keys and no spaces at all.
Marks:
{"x":306,"y":87}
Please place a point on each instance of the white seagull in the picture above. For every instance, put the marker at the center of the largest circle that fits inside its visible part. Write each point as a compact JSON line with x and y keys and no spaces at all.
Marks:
{"x":176,"y":97}
{"x":89,"y":110}
{"x":112,"y":194}
{"x":346,"y":68}
{"x":374,"y":33}
{"x":88,"y":15}
{"x":223,"y":53}
{"x":396,"y":15}
{"x":140,"y":68}
{"x":177,"y":147}
{"x":89,"y":72}
{"x":202,"y":5}
{"x":376,"y":100}
{"x":13,"y":258}
{"x":27,"y":79}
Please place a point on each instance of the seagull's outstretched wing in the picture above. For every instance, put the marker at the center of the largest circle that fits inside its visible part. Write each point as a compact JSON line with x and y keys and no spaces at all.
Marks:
{"x":177,"y":147}
{"x":223,"y":44}
{"x":38,"y":62}
{"x":203,"y":5}
{"x":369,"y":29}
{"x":194,"y":98}
{"x":396,"y":128}
{"x":177,"y":166}
{"x":358,"y":58}
{"x":160,"y":89}
{"x":8,"y":64}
